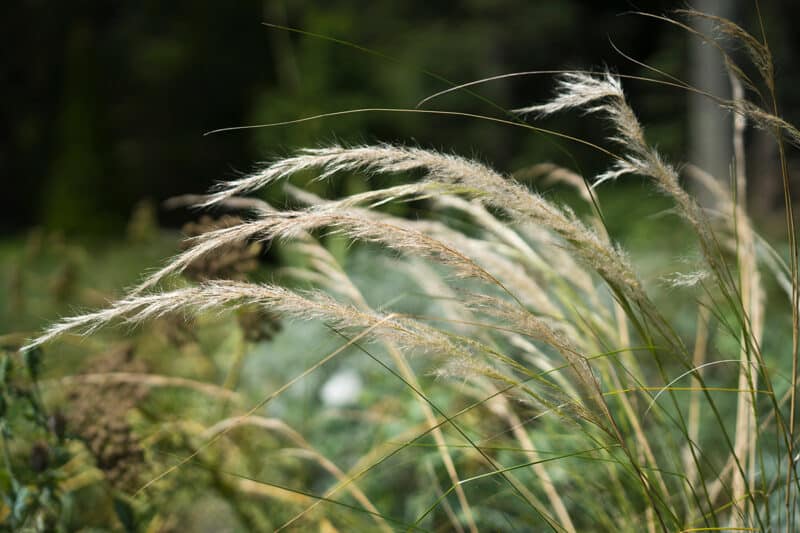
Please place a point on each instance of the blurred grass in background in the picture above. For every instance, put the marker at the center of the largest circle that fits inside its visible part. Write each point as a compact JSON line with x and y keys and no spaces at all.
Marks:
{"x":107,"y":104}
{"x":105,"y":115}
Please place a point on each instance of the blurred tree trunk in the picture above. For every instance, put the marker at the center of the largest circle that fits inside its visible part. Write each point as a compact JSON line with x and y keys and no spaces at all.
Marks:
{"x":283,"y":55}
{"x":710,"y":127}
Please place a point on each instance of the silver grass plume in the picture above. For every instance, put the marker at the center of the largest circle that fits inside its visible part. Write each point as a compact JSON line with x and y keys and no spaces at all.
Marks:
{"x":217,"y":294}
{"x":603,"y":94}
{"x":464,"y":177}
{"x":496,"y":258}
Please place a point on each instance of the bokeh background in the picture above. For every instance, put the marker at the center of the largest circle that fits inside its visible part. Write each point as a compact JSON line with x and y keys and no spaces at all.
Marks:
{"x":105,"y":114}
{"x":106,"y":104}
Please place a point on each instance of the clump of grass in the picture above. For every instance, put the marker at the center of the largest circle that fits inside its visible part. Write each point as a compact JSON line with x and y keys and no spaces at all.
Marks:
{"x":543,"y":318}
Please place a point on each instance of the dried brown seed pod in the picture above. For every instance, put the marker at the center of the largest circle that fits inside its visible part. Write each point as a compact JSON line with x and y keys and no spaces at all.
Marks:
{"x":258,"y":324}
{"x":57,"y":424}
{"x":97,"y":414}
{"x":231,"y":261}
{"x":40,"y":457}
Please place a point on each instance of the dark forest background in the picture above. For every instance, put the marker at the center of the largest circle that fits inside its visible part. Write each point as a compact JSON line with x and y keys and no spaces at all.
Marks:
{"x":105,"y":104}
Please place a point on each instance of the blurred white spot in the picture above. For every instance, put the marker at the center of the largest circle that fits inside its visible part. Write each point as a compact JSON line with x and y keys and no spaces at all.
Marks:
{"x":341,"y":389}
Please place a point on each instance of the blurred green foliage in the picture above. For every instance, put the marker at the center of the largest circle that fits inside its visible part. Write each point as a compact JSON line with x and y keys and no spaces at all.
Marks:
{"x":108,"y":103}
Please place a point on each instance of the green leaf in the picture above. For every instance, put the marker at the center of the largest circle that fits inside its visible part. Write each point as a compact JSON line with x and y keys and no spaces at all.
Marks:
{"x":20,"y":503}
{"x":125,"y":514}
{"x":33,"y":360}
{"x":5,"y":370}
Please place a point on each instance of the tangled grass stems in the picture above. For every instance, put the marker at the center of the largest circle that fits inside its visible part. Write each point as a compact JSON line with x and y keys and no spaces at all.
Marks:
{"x":256,"y":487}
{"x":278,"y":426}
{"x":334,"y":276}
{"x":552,"y":289}
{"x":605,"y":96}
{"x":447,"y":420}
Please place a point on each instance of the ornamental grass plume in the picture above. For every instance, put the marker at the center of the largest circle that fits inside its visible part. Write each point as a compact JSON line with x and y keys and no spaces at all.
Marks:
{"x":544,"y":321}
